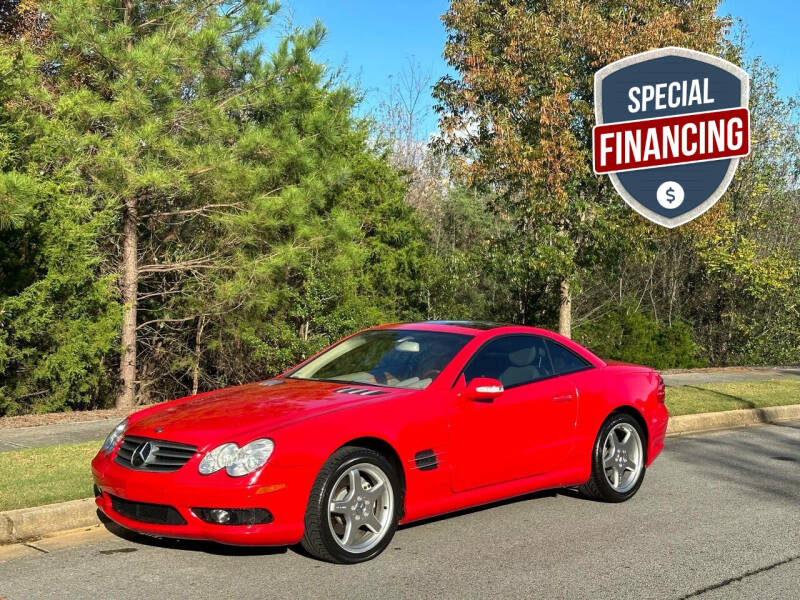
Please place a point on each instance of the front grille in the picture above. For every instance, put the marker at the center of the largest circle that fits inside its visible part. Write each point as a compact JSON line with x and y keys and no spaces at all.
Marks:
{"x":146,"y":454}
{"x":160,"y":514}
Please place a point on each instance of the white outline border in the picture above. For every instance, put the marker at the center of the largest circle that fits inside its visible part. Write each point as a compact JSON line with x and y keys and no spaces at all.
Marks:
{"x":686,"y":162}
{"x":741,"y":74}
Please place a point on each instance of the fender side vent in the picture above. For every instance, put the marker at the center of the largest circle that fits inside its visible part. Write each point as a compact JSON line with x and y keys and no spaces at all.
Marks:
{"x":426,"y":460}
{"x":359,"y":391}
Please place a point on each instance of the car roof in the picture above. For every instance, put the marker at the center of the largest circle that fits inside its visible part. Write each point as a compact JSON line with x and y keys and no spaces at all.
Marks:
{"x":470,"y":327}
{"x":482,"y":325}
{"x":483,"y":330}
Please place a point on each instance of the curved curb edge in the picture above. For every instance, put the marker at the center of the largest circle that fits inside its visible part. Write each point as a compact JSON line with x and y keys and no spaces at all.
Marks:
{"x":24,"y":524}
{"x":730,"y":419}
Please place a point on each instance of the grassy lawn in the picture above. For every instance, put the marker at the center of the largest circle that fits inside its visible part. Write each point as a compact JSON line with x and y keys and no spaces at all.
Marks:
{"x":46,"y":475}
{"x":716,"y":397}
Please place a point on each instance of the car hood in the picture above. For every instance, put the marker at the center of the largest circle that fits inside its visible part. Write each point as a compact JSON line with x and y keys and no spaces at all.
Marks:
{"x":233,"y":413}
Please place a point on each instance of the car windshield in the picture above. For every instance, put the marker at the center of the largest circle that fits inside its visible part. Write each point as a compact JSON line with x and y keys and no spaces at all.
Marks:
{"x":388,"y":357}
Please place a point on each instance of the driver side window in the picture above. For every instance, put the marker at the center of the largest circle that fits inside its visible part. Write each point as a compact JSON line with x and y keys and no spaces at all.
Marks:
{"x":513,"y":360}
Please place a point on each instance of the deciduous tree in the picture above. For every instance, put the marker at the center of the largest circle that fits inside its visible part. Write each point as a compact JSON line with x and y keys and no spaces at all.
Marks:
{"x":519,"y":113}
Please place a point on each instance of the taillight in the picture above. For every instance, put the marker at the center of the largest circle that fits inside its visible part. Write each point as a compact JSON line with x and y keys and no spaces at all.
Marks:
{"x":661,"y":394}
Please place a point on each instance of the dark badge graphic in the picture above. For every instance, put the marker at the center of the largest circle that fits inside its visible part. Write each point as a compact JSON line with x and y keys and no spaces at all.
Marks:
{"x":671,"y":126}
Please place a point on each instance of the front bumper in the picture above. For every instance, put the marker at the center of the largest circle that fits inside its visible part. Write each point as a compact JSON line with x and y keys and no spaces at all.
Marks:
{"x":285,"y":496}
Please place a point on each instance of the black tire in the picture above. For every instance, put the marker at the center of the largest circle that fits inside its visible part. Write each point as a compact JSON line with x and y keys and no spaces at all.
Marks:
{"x":598,"y":486}
{"x":318,"y":539}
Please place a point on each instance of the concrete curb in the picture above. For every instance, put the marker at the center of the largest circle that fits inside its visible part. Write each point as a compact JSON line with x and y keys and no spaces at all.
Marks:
{"x":731,"y":418}
{"x":31,"y":523}
{"x":26,"y":524}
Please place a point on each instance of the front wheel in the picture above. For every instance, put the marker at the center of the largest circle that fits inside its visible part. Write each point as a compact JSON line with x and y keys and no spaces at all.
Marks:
{"x":618,"y":460}
{"x":353,"y":509}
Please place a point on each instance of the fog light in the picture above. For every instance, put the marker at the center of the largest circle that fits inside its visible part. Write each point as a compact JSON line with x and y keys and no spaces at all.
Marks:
{"x":234,"y":516}
{"x":219,"y":515}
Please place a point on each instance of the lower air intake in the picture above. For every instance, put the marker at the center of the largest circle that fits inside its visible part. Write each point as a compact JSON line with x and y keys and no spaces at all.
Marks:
{"x":159,"y":514}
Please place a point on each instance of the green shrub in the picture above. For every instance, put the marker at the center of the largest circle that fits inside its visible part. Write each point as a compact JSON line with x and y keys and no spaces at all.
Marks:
{"x":627,"y":334}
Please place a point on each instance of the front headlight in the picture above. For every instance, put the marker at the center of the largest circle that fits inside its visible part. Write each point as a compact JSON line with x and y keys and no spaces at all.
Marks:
{"x":114,"y":437}
{"x":237,"y":461}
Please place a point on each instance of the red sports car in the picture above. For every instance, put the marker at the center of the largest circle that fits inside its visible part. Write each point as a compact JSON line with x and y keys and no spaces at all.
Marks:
{"x":391,"y":425}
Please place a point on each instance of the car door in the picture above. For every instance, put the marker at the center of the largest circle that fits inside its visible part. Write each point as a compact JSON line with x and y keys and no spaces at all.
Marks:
{"x":527,"y":430}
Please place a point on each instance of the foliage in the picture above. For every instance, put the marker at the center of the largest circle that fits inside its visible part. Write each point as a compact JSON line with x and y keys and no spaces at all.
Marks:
{"x":518,"y":116}
{"x":269,"y":220}
{"x":268,"y":225}
{"x":626,"y":333}
{"x":731,"y":275}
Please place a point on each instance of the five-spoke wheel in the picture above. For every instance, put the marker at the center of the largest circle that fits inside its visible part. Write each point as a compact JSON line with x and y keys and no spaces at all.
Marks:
{"x":361,"y":507}
{"x":618,"y":460}
{"x":353,"y":511}
{"x":622,"y":457}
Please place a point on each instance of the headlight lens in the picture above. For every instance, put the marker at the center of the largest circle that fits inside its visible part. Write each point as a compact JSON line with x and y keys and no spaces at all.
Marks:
{"x":237,"y":461}
{"x":114,"y":437}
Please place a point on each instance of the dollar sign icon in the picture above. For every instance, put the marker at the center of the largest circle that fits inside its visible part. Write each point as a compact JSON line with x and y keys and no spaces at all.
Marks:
{"x":670,"y":194}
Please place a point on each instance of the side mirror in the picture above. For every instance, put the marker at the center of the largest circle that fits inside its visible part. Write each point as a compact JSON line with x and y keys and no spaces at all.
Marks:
{"x":483,"y":389}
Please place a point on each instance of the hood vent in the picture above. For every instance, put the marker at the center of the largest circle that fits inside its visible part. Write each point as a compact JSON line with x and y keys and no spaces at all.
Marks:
{"x":271,"y":382}
{"x":359,"y":391}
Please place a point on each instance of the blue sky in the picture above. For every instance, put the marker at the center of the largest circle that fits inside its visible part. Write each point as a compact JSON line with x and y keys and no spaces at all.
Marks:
{"x":374,"y":39}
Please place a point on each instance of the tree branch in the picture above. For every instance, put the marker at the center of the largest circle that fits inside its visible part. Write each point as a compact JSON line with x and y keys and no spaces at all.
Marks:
{"x":189,"y":265}
{"x":191,"y":211}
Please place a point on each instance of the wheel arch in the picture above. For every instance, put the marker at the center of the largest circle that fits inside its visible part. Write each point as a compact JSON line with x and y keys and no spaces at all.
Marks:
{"x":385,"y":449}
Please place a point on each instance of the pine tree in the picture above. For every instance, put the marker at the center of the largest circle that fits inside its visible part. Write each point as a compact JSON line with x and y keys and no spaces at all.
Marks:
{"x":226,"y":212}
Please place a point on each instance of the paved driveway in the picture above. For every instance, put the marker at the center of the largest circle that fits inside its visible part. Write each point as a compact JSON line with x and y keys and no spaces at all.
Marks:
{"x":52,"y":435}
{"x":717,"y":517}
{"x":701,"y":377}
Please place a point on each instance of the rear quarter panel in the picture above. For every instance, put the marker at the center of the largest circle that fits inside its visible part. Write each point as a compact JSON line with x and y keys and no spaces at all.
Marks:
{"x":613,"y":387}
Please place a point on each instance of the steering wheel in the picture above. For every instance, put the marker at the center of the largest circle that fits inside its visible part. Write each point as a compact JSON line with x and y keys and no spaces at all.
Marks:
{"x":431,"y":374}
{"x":382,"y":377}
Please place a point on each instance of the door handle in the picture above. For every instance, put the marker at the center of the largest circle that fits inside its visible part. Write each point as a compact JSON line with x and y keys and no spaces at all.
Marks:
{"x":564,"y":398}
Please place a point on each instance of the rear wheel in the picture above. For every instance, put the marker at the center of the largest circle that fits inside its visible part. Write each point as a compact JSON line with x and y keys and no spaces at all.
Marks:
{"x":618,"y":460}
{"x":353,"y":509}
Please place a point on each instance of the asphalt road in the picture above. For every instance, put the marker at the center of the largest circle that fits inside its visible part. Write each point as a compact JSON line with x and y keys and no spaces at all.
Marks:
{"x":718,"y":517}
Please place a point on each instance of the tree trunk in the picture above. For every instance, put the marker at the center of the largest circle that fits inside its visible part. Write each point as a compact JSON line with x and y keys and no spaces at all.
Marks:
{"x":201,"y":323}
{"x":130,"y":282}
{"x":565,"y":311}
{"x":130,"y":288}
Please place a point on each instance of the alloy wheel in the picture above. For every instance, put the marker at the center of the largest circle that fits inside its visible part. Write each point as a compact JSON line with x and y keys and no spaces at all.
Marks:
{"x":623,"y":457}
{"x":361,"y":508}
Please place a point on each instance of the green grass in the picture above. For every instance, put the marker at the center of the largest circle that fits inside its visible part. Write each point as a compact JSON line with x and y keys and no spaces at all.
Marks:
{"x":46,"y":475}
{"x":717,"y":397}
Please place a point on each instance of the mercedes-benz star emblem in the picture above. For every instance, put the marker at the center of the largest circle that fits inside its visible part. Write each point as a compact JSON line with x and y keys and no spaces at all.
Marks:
{"x":142,"y":454}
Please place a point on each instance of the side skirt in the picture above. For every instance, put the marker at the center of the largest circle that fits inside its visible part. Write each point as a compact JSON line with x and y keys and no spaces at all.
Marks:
{"x":492,"y":493}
